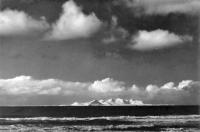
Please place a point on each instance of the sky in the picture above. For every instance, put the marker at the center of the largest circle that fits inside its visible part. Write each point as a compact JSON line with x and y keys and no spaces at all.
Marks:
{"x":56,"y":52}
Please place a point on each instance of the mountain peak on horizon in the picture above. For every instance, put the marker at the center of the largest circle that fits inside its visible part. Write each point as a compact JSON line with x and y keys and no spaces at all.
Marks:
{"x":110,"y":102}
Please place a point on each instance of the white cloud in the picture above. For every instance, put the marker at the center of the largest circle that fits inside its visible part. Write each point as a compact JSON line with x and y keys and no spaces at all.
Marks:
{"x":157,"y":39}
{"x":13,"y":22}
{"x":29,"y":86}
{"x":107,"y":85}
{"x":25,"y":88}
{"x":166,"y":6}
{"x":186,"y":92}
{"x":73,"y":23}
{"x":184,"y":84}
{"x":152,"y":88}
{"x":169,"y":85}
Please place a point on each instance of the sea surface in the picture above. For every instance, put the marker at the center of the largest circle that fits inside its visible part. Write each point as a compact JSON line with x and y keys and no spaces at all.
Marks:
{"x":32,"y":122}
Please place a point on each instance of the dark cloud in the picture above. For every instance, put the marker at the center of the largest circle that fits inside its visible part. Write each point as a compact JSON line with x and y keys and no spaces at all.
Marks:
{"x":164,"y":7}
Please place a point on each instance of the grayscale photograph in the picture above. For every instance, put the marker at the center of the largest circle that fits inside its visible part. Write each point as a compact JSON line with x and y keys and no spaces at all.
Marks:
{"x":99,"y":65}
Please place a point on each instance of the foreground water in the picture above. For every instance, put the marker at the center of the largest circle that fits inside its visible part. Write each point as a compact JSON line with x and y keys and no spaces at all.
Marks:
{"x":180,"y":123}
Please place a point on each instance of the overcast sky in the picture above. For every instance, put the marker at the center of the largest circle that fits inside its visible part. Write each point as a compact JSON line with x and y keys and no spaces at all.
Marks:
{"x":56,"y":52}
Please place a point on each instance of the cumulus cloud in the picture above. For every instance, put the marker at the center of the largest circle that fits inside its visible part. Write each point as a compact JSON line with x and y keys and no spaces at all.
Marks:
{"x":107,"y":85}
{"x":166,"y":6}
{"x":29,"y":86}
{"x":157,"y":39}
{"x":73,"y":23}
{"x":186,"y":92}
{"x":171,"y":94}
{"x":13,"y":22}
{"x":26,"y":88}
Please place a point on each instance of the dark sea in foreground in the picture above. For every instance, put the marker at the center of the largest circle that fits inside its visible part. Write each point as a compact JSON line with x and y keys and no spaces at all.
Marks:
{"x":166,"y":118}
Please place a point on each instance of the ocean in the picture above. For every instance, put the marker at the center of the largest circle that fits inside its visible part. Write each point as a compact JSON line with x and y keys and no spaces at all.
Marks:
{"x":99,"y":118}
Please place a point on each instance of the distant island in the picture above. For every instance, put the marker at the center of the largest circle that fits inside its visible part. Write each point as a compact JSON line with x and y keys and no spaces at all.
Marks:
{"x":111,"y":102}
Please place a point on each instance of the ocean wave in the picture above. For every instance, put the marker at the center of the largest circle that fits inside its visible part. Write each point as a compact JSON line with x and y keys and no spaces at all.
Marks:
{"x":81,"y":128}
{"x":107,"y":118}
{"x":119,"y":123}
{"x":179,"y":118}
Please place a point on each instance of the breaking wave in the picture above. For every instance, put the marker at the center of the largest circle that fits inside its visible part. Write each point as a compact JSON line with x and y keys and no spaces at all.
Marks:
{"x":127,"y":118}
{"x":118,"y":123}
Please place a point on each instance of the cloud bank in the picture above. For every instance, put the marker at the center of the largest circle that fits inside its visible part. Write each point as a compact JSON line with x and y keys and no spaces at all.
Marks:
{"x":13,"y":22}
{"x":27,"y":85}
{"x":157,"y":39}
{"x":23,"y":88}
{"x":73,"y":23}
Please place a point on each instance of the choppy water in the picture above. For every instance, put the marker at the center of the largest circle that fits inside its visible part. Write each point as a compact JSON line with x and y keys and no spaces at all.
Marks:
{"x":180,"y":123}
